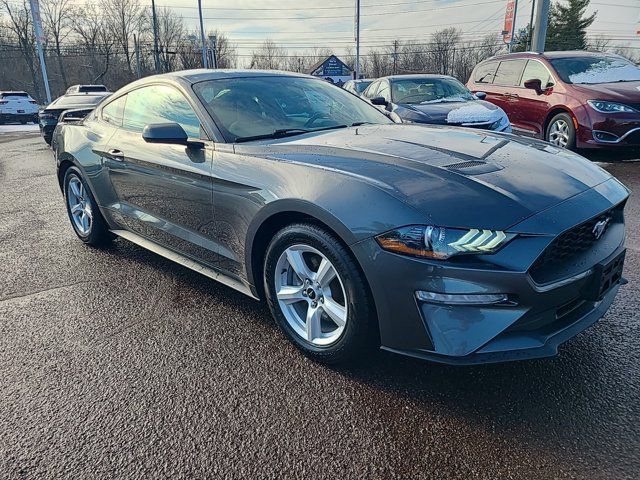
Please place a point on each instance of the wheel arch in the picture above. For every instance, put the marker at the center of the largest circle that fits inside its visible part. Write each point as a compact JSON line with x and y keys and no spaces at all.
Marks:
{"x":278,"y":215}
{"x":555,"y":111}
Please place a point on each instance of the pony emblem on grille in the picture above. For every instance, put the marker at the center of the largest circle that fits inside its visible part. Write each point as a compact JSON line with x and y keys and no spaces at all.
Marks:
{"x":600,"y":227}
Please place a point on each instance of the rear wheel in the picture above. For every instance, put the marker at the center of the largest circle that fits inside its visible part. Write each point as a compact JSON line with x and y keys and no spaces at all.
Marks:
{"x":561,"y":131}
{"x":317,"y":294}
{"x":83,"y":211}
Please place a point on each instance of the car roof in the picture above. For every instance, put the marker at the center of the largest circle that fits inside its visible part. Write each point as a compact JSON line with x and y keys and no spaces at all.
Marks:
{"x":202,"y":74}
{"x":547,"y":55}
{"x":416,"y":76}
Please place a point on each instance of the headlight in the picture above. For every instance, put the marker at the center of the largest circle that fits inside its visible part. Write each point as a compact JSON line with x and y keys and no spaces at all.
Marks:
{"x":610,"y":107}
{"x":441,"y":243}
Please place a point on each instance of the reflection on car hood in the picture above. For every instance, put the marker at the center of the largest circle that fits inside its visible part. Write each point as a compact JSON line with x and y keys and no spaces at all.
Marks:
{"x":437,"y":113}
{"x":491,"y":180}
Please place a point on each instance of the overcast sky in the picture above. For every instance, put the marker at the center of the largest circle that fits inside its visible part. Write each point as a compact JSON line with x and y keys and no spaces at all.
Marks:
{"x":305,"y":23}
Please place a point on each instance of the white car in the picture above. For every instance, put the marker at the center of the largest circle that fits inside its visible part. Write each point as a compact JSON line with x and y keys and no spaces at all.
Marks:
{"x":17,"y":107}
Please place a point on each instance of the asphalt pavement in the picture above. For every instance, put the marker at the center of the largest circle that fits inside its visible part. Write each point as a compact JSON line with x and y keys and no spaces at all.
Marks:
{"x":117,"y":363}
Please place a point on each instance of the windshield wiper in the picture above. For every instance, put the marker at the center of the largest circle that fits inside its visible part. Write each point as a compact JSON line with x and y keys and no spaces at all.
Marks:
{"x":280,"y":133}
{"x":285,"y":132}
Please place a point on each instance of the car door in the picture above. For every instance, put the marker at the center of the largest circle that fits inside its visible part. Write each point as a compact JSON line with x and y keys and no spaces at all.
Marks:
{"x":164,"y":190}
{"x":532,"y":106}
{"x":505,"y":87}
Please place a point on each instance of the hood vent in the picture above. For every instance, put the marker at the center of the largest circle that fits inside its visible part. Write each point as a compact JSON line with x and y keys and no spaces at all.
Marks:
{"x":473,"y":167}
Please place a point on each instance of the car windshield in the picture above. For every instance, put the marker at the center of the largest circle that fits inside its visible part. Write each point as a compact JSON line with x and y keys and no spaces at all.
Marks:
{"x":362,"y":86}
{"x":71,"y":100}
{"x":272,"y":106}
{"x":596,"y":69}
{"x":429,"y":90}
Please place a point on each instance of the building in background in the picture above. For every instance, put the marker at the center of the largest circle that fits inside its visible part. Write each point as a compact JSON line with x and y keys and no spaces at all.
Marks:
{"x":333,"y":70}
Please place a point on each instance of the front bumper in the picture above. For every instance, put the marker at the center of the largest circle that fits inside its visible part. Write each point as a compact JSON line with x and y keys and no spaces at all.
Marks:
{"x":538,"y":318}
{"x":613,"y":130}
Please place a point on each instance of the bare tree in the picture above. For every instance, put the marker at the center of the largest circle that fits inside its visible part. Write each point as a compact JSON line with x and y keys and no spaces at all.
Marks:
{"x":20,"y":25}
{"x":269,"y":56}
{"x":56,"y":16}
{"x":125,"y":17}
{"x":95,"y":39}
{"x":170,"y":30}
{"x":226,"y":54}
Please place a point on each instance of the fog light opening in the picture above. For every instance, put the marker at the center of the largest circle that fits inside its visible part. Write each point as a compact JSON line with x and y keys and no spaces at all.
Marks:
{"x":606,"y":137}
{"x":463,"y":298}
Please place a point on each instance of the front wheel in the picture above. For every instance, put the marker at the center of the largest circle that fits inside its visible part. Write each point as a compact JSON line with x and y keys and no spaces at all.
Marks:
{"x":317,"y":294}
{"x":561,"y":131}
{"x":83,"y":210}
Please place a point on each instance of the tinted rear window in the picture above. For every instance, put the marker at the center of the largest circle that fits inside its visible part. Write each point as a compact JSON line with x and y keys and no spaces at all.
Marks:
{"x":509,"y":72}
{"x":485,"y":73}
{"x":14,"y":95}
{"x":71,"y":100}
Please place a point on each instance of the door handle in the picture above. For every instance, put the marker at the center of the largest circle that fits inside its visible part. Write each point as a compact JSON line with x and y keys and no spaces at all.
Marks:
{"x":116,"y":155}
{"x":512,"y":95}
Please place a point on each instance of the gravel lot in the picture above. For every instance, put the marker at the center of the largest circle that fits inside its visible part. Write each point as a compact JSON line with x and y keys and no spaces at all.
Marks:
{"x":119,"y":364}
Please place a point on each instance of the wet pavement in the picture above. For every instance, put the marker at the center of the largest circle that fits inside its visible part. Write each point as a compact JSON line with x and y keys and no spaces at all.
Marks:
{"x":117,"y":363}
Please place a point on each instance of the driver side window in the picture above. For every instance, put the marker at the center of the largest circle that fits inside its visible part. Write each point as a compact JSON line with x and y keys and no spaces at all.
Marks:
{"x":159,"y":104}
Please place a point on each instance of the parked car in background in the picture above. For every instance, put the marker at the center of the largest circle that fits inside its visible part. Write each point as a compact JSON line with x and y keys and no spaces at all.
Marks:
{"x":436,"y":100}
{"x":454,"y":245}
{"x":48,"y":118}
{"x":357,"y":86}
{"x":68,"y":116}
{"x":573,"y":99}
{"x":17,"y":107}
{"x":86,"y":89}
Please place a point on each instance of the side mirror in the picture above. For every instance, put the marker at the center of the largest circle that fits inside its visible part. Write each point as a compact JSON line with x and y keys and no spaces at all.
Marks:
{"x":379,"y":101}
{"x":480,"y":95}
{"x":165,"y":133}
{"x":534,"y":84}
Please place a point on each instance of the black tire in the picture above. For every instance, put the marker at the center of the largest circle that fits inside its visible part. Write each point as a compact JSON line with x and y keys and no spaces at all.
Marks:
{"x":562,"y":119}
{"x":98,"y":234}
{"x":47,"y":140}
{"x":358,"y":334}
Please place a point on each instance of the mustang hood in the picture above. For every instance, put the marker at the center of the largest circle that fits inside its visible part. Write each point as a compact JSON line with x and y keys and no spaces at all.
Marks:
{"x":455,"y":177}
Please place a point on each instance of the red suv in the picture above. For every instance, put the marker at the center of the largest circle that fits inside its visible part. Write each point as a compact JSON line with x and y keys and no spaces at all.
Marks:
{"x":571,"y":99}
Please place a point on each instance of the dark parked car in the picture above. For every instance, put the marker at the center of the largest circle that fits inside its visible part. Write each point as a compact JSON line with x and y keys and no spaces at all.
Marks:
{"x":448,"y":244}
{"x":571,"y":99}
{"x":48,"y":118}
{"x":436,"y":100}
{"x":357,"y":86}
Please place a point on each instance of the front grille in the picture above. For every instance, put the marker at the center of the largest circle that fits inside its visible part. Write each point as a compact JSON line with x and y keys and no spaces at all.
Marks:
{"x":571,"y":243}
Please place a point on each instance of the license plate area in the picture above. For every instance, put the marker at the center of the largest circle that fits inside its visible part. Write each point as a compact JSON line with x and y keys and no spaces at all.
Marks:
{"x":20,"y":111}
{"x":605,"y":276}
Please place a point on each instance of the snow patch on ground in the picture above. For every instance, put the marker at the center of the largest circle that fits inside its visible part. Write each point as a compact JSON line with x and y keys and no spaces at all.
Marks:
{"x":607,"y":72}
{"x":18,"y":128}
{"x":474,"y":113}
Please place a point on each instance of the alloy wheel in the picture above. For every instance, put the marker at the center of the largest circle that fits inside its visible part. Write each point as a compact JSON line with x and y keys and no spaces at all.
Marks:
{"x":79,"y":206}
{"x":311,"y":295}
{"x":559,"y":133}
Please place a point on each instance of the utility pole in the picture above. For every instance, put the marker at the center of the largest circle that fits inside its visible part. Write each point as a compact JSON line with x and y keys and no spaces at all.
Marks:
{"x":37,"y":27}
{"x":533,"y":9}
{"x":357,"y":29}
{"x":156,"y":53}
{"x":395,"y":57}
{"x":137,"y":46}
{"x":213,"y":41}
{"x":205,"y":64}
{"x":540,"y":28}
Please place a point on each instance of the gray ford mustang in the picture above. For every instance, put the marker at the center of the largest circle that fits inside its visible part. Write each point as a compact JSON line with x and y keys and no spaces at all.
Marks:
{"x":450,"y":244}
